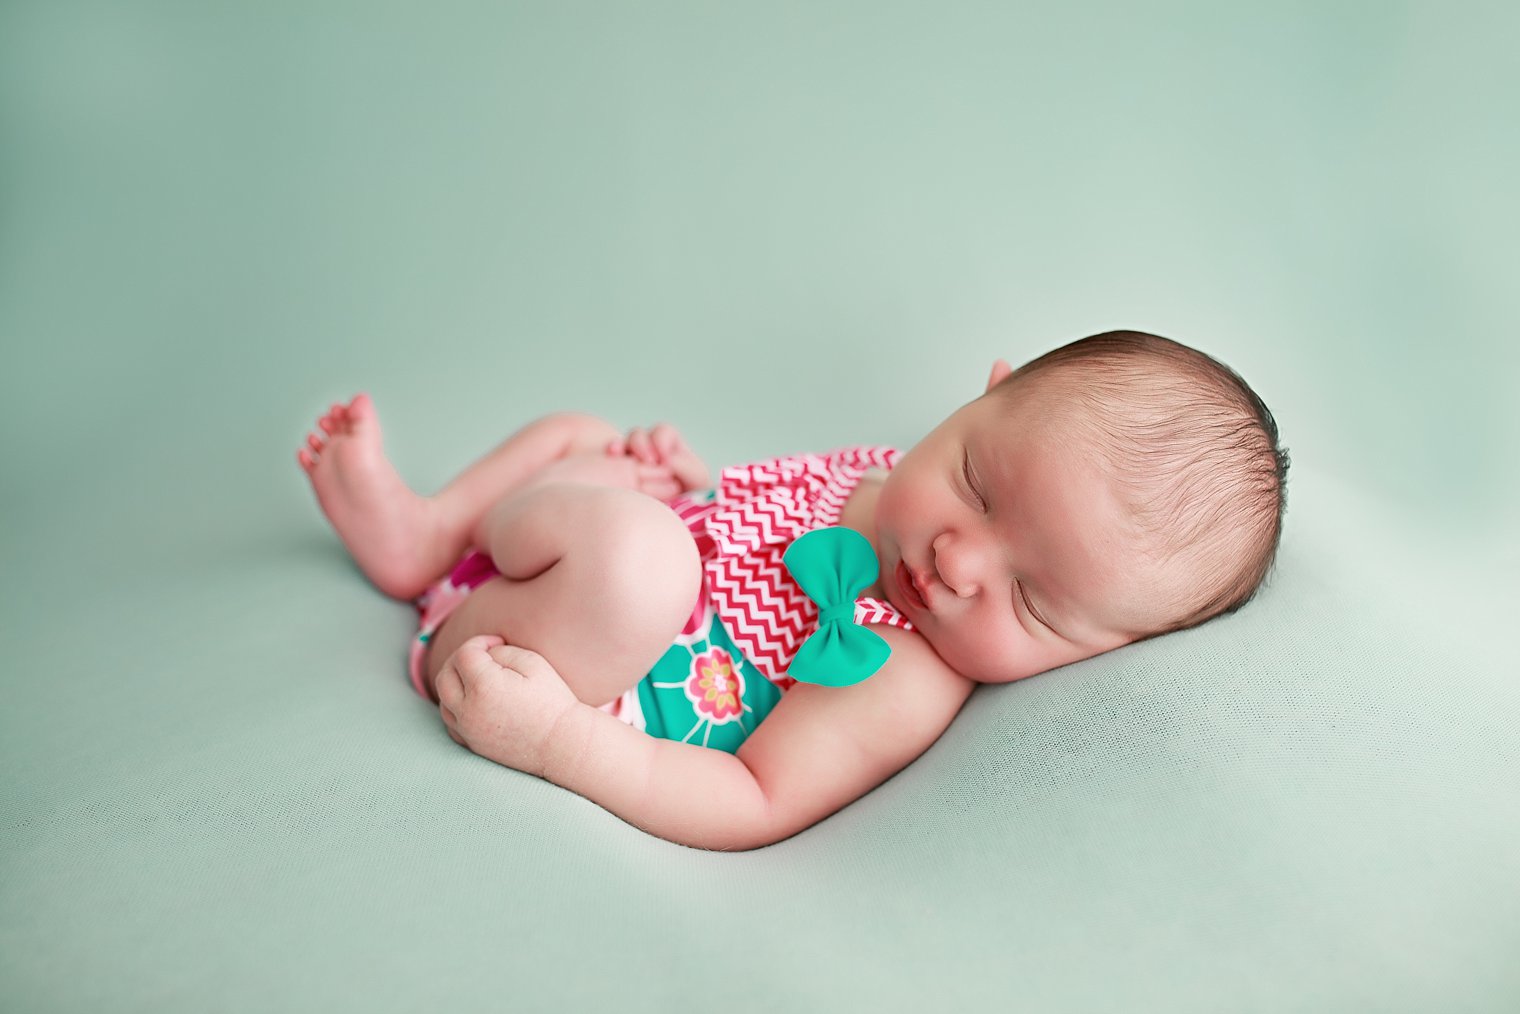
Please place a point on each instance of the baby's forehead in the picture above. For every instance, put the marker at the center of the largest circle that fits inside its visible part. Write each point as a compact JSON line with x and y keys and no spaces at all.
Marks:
{"x":1047,"y":420}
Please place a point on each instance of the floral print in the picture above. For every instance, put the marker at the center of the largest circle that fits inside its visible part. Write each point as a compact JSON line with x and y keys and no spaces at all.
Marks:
{"x":715,"y":688}
{"x":703,"y":691}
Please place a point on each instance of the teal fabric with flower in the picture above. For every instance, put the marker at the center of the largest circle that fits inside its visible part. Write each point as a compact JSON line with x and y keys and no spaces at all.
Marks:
{"x":704,"y":691}
{"x":833,"y":565}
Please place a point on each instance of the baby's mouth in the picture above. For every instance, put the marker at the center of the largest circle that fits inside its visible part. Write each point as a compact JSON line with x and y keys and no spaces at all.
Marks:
{"x":909,"y":586}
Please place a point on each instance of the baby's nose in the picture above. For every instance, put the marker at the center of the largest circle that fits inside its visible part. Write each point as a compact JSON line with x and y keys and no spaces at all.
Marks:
{"x":954,"y":566}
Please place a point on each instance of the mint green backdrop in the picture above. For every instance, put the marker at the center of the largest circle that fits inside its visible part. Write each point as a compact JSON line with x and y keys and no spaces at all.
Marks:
{"x":781,"y":227}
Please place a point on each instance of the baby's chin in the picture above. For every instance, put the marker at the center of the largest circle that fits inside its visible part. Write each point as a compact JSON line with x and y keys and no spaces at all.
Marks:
{"x":949,"y":657}
{"x":978,"y":670}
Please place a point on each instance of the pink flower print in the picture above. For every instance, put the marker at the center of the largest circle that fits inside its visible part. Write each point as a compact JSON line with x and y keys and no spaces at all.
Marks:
{"x":714,"y":687}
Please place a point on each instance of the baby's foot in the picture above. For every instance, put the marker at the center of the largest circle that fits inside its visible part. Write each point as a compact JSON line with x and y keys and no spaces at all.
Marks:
{"x":393,"y":534}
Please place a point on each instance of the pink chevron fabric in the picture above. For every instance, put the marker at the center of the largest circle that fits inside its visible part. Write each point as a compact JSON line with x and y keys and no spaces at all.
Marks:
{"x":758,"y":510}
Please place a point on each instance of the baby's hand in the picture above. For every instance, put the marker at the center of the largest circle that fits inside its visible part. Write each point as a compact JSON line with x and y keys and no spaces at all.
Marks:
{"x":604,"y":470}
{"x":502,"y":702}
{"x":664,"y":445}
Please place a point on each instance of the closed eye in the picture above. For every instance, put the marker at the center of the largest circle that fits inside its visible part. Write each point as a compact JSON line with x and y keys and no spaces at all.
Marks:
{"x":966,"y":474}
{"x":1030,"y":609}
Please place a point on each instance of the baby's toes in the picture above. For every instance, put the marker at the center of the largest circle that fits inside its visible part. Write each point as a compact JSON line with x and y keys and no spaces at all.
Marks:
{"x":338,"y":427}
{"x":310,"y":455}
{"x":359,"y":411}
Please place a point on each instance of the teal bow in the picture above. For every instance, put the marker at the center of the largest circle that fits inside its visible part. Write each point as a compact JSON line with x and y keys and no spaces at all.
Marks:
{"x":832,"y":565}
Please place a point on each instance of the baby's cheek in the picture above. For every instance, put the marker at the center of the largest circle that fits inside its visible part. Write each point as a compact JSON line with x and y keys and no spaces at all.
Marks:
{"x":992,"y":652}
{"x":958,"y":648}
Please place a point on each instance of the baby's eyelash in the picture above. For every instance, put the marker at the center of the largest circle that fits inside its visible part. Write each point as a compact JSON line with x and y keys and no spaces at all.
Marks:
{"x":966,"y":473}
{"x":1030,"y":608}
{"x":1019,"y":593}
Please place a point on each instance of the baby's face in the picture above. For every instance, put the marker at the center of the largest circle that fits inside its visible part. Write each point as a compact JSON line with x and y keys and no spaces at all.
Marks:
{"x":1016,"y":555}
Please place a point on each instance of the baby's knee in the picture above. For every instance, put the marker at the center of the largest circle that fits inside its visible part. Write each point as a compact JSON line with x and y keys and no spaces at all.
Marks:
{"x":651,"y":561}
{"x":635,"y":545}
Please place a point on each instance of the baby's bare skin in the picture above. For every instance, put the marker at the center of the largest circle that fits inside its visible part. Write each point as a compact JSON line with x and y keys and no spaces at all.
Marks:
{"x":594,"y":570}
{"x":395,"y":536}
{"x":985,"y":515}
{"x":404,"y":542}
{"x":598,"y":578}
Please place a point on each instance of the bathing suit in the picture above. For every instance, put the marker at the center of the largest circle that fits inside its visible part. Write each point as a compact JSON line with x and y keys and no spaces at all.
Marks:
{"x":726,"y":669}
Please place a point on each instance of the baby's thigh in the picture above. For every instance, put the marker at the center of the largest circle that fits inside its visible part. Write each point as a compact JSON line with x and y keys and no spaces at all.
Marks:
{"x":622,"y":583}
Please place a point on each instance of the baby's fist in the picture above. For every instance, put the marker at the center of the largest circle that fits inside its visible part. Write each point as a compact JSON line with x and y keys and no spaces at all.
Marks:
{"x":502,"y":702}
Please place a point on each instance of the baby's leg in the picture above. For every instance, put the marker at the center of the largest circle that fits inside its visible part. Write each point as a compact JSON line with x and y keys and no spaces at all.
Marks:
{"x":510,"y":466}
{"x":402,"y":541}
{"x":598,"y":580}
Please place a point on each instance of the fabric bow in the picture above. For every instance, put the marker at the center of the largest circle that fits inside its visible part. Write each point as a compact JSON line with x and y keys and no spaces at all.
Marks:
{"x":832,"y":565}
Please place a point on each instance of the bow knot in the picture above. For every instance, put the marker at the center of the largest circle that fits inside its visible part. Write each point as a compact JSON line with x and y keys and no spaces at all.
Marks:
{"x":839,"y":612}
{"x":832,"y":565}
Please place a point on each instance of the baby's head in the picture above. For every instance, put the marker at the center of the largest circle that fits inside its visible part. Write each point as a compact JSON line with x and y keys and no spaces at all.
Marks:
{"x":1118,"y":488}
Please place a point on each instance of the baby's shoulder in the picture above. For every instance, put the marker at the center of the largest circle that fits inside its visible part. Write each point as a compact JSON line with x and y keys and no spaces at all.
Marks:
{"x":909,"y":646}
{"x":915,"y":670}
{"x":896,"y":714}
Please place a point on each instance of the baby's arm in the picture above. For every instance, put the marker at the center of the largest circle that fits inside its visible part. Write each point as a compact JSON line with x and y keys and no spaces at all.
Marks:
{"x":820,"y":749}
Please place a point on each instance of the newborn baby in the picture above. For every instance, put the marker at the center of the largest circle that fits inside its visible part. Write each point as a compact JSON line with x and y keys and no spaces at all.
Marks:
{"x":593,"y":613}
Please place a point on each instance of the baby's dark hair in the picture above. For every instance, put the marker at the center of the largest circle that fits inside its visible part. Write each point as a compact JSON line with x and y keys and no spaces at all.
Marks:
{"x":1195,"y":453}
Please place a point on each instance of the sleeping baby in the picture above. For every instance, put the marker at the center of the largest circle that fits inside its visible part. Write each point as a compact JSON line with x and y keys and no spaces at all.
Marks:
{"x":724,"y":665}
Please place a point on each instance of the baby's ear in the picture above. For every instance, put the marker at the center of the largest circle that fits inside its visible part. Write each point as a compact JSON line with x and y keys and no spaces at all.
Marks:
{"x":1000,"y":369}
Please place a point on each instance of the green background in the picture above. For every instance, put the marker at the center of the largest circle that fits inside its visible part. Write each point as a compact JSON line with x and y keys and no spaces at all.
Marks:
{"x":782,"y":227}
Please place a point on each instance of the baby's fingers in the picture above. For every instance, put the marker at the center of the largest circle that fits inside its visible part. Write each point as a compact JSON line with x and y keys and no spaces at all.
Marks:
{"x":641,"y":447}
{"x":474,"y":663}
{"x":658,"y":481}
{"x":667,"y":441}
{"x":652,"y":473}
{"x":520,"y":660}
{"x":635,"y":445}
{"x":448,"y":689}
